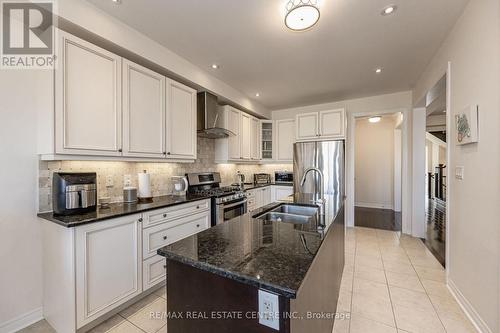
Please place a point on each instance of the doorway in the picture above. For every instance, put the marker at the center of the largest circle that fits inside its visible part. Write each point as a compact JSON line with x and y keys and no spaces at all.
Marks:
{"x":436,"y":170}
{"x":377,"y":171}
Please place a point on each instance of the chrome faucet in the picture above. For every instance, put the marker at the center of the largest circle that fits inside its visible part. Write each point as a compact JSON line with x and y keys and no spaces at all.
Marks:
{"x":321,"y":201}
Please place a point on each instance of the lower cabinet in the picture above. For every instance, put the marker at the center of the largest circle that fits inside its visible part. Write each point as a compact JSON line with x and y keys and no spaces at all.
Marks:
{"x":281,"y":192}
{"x":92,"y":269}
{"x":108,"y":261}
{"x":259,"y":197}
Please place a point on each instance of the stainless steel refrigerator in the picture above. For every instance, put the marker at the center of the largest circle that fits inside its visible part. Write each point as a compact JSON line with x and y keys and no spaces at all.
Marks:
{"x":328,"y":156}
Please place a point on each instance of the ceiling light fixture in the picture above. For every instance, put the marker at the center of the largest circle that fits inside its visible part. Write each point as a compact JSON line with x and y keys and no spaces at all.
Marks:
{"x":257,"y":95}
{"x":117,"y":2}
{"x":378,"y":70}
{"x":215,"y":66}
{"x":374,"y":119}
{"x":301,"y":14}
{"x":389,"y":10}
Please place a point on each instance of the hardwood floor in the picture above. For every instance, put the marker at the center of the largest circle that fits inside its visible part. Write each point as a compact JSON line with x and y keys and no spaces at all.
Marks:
{"x":385,"y":219}
{"x":435,"y":237}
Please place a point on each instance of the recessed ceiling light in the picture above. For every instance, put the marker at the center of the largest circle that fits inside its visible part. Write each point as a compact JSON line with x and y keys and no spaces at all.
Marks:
{"x":117,"y":2}
{"x":215,"y":66}
{"x":374,"y":119}
{"x":257,"y":95}
{"x":378,"y":70}
{"x":389,"y":10}
{"x":301,"y":14}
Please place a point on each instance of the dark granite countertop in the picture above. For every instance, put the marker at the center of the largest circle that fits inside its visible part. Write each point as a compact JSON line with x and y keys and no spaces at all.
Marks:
{"x":251,"y":186}
{"x":119,"y":209}
{"x":271,"y":255}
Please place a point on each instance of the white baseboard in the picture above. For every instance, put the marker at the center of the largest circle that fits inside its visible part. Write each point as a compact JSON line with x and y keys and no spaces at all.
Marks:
{"x":372,"y":205}
{"x":22,"y":321}
{"x":469,"y":310}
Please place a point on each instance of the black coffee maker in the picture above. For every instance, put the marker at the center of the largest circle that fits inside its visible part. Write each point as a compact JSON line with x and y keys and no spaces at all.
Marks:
{"x":74,"y":193}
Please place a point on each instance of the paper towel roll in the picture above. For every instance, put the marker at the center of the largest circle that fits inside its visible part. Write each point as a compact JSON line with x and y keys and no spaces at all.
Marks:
{"x":144,"y":185}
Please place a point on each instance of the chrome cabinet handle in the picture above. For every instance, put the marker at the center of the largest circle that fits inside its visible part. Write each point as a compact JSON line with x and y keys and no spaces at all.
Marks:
{"x":164,"y":215}
{"x":197,"y":226}
{"x":164,"y":237}
{"x":140,"y":219}
{"x":197,"y":207}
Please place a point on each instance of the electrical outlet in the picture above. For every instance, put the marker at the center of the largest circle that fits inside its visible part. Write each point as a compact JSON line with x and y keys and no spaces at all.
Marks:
{"x":459,"y":172}
{"x":109,"y":181}
{"x":127,"y":180}
{"x":269,"y":310}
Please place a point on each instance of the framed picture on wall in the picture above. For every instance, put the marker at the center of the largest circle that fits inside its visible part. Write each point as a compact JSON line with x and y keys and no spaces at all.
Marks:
{"x":466,"y":124}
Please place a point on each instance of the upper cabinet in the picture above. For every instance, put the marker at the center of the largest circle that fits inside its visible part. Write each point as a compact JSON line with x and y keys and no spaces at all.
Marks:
{"x":88,"y":99}
{"x":244,"y":145}
{"x":266,"y":140}
{"x":143,"y":111}
{"x":110,"y":107}
{"x":181,"y":121}
{"x":285,"y":139}
{"x":322,"y":125}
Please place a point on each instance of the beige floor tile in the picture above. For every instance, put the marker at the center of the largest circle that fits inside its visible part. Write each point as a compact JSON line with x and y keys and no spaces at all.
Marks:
{"x":371,"y":289}
{"x":136,"y":307}
{"x":152,"y":317}
{"x":425,"y":262}
{"x":411,"y":299}
{"x":346,"y":282}
{"x":398,"y":266}
{"x":125,"y":327}
{"x":341,"y":326}
{"x":394,"y":251}
{"x":400,"y":257}
{"x":435,"y":288}
{"x":369,"y":261}
{"x":107,"y":325}
{"x":408,"y":281}
{"x":162,"y":292}
{"x":371,"y":274}
{"x":417,"y":321}
{"x":163,"y":329}
{"x":427,"y":273}
{"x":457,"y":325}
{"x":41,"y":326}
{"x":372,"y":308}
{"x":344,"y":301}
{"x":360,"y":324}
{"x":444,"y":305}
{"x":369,"y":252}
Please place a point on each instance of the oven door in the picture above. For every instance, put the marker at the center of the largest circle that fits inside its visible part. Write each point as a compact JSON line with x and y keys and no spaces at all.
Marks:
{"x":230,"y":210}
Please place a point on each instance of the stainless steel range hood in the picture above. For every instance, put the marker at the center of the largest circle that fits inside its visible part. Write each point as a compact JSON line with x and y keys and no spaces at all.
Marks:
{"x":208,"y":118}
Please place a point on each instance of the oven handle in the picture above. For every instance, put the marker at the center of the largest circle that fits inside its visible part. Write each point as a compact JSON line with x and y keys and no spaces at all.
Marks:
{"x":235,"y":204}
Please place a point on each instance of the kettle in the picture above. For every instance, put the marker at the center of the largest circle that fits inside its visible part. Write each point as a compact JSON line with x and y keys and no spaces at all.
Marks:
{"x":180,"y":185}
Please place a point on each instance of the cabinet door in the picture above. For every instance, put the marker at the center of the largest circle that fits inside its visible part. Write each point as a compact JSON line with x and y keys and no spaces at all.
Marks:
{"x":87,"y":99}
{"x":285,"y":139}
{"x":332,"y":124}
{"x":143,"y":111}
{"x":108,"y":266}
{"x":266,"y":196}
{"x":245,"y":136}
{"x":181,"y":121}
{"x":255,"y":139}
{"x":307,"y":126}
{"x":283,"y":191}
{"x":233,"y":123}
{"x":258,"y":198}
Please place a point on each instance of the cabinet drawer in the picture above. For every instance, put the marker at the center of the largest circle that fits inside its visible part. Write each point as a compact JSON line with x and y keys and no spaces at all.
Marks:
{"x":168,"y":233}
{"x":170,"y":213}
{"x":153,"y":271}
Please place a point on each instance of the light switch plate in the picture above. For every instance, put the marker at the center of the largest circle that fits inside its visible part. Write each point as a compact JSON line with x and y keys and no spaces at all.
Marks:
{"x":109,"y":181}
{"x":459,"y":172}
{"x":269,"y":309}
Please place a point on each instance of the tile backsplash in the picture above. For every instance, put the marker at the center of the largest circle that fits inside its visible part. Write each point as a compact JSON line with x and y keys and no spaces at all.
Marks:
{"x":161,"y":173}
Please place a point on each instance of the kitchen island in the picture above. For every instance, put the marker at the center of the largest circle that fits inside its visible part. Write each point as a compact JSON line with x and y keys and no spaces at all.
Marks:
{"x":214,"y":278}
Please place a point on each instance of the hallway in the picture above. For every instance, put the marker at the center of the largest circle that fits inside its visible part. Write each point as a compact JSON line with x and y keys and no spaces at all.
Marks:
{"x":435,"y":236}
{"x":385,"y":219}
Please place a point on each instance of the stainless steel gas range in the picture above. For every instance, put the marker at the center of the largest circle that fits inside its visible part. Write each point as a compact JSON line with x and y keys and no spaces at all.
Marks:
{"x":227,"y":202}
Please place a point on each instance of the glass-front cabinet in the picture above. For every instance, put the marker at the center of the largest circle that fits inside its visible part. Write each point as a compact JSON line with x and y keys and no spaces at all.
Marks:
{"x":267,"y":140}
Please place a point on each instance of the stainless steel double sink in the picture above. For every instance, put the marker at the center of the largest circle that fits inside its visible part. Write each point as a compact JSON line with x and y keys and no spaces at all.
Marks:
{"x":288,"y":213}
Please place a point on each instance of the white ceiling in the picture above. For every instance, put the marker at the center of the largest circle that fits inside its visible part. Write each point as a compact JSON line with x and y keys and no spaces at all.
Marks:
{"x":334,"y":60}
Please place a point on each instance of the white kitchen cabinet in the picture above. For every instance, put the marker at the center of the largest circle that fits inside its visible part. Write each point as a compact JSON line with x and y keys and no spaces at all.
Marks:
{"x":88,"y":111}
{"x":108,"y":266}
{"x":281,"y":192}
{"x":266,"y":196}
{"x":153,"y":271}
{"x":245,"y":136}
{"x":285,"y":138}
{"x":332,"y":124}
{"x":307,"y":126}
{"x":266,"y":138}
{"x":181,"y":121}
{"x":234,"y":125}
{"x":143,"y":111}
{"x":322,"y":125}
{"x":255,"y":139}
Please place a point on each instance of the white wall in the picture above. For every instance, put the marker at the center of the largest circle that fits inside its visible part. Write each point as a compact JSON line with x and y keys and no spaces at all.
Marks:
{"x":472,"y":48}
{"x":22,"y":94}
{"x":374,"y":163}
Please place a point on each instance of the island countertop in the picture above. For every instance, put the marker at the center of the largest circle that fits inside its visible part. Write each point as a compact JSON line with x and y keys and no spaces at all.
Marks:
{"x":275,"y":256}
